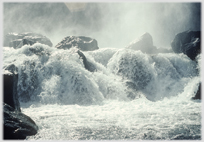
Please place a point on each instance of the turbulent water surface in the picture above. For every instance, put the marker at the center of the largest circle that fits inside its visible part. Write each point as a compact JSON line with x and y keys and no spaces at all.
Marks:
{"x":130,"y":95}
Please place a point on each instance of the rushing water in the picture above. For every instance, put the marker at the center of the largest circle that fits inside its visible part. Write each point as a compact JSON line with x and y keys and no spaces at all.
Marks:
{"x":130,"y":95}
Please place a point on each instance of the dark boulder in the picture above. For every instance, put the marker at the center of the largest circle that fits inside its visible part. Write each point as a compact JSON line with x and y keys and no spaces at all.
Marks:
{"x":188,"y":42}
{"x":88,"y":65}
{"x":198,"y":94}
{"x":11,"y":87}
{"x":17,"y":125}
{"x":144,"y":43}
{"x":17,"y":40}
{"x":10,"y":90}
{"x":81,"y":42}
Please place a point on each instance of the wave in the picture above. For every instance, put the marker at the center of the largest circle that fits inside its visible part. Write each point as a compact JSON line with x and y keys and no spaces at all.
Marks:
{"x":48,"y":75}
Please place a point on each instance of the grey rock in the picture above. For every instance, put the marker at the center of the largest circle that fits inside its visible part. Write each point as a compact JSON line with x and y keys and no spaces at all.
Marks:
{"x":17,"y":40}
{"x":143,"y":43}
{"x":81,"y":42}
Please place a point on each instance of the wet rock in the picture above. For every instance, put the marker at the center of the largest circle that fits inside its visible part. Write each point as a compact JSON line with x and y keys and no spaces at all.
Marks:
{"x":17,"y":125}
{"x":17,"y":40}
{"x":188,"y":42}
{"x":88,"y":65}
{"x":26,"y":86}
{"x":144,"y":43}
{"x":10,"y":90}
{"x":81,"y":42}
{"x":198,"y":94}
{"x":11,"y":68}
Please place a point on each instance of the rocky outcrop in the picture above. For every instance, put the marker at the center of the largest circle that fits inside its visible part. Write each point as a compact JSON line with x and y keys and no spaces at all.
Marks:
{"x":17,"y":40}
{"x":17,"y":125}
{"x":81,"y":42}
{"x":188,"y":42}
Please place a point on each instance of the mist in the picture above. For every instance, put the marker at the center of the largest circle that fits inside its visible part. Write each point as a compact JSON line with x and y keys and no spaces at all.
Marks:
{"x":111,"y":24}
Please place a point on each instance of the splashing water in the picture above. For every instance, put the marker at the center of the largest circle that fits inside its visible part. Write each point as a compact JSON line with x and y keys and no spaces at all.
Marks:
{"x":130,"y":95}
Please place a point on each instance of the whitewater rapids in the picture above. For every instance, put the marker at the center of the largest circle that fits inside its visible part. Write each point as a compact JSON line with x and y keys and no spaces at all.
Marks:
{"x":68,"y":102}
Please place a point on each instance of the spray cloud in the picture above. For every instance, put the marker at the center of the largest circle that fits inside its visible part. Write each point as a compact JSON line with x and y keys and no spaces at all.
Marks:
{"x":111,"y":24}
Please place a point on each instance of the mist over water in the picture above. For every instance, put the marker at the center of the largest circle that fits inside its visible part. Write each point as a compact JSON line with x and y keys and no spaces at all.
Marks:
{"x":111,"y":24}
{"x":130,"y":95}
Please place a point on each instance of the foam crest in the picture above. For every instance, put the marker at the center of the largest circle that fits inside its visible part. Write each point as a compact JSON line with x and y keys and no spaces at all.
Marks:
{"x":49,"y":75}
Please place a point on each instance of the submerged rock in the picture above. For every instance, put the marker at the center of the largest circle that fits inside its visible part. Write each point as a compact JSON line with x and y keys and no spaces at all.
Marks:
{"x":17,"y":125}
{"x":188,"y":42}
{"x":17,"y":40}
{"x":81,"y":42}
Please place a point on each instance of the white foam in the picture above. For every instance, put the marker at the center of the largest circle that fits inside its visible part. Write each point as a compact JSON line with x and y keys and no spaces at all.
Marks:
{"x":68,"y":102}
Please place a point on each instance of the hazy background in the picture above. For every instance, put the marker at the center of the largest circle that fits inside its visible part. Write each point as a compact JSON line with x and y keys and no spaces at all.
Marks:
{"x":111,"y":24}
